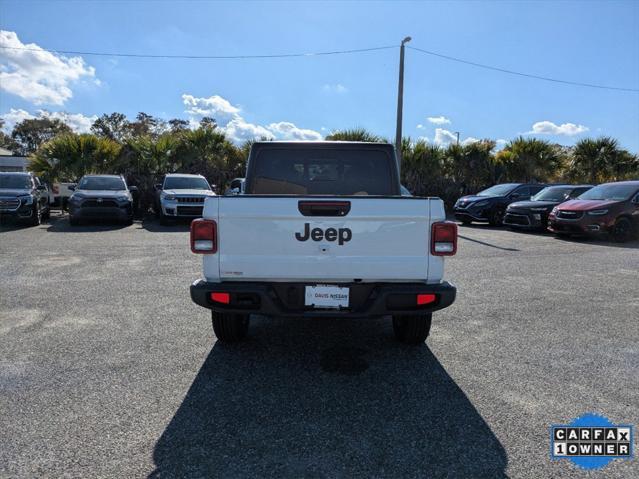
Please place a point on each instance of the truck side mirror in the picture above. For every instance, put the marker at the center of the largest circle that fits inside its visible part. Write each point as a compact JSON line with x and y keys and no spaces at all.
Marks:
{"x":133,"y":188}
{"x":71,"y":187}
{"x":158,"y":186}
{"x":42,"y":187}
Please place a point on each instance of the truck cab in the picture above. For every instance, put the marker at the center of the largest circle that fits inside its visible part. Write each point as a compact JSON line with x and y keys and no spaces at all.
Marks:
{"x":321,"y":229}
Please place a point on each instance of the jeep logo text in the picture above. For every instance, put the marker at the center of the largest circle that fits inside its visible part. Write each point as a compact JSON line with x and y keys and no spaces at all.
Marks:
{"x":342,"y":235}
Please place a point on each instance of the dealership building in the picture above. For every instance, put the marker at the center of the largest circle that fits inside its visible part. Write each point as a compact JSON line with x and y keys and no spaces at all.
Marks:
{"x":8,"y":162}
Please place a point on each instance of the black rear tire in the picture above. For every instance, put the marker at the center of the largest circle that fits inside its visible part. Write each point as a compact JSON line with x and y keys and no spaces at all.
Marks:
{"x":466,"y":222}
{"x":73,"y":221}
{"x":230,"y":327}
{"x":622,"y":230}
{"x":412,"y":329}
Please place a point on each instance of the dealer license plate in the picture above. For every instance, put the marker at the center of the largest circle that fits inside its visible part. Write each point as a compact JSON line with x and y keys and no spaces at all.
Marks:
{"x":326,"y":296}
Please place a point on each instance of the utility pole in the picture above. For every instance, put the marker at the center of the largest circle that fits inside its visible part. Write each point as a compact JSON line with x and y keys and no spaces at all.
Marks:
{"x":400,"y":105}
{"x":457,"y":133}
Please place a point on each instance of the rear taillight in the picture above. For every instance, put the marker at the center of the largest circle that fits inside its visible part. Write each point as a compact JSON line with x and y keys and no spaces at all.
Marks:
{"x":224,"y":298}
{"x":203,"y":236}
{"x":443,"y":239}
{"x":424,"y":299}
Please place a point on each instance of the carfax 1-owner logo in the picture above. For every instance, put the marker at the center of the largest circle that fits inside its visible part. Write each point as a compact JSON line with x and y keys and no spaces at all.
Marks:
{"x":591,"y":441}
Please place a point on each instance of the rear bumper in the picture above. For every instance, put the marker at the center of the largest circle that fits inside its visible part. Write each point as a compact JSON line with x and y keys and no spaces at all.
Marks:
{"x":287,"y":299}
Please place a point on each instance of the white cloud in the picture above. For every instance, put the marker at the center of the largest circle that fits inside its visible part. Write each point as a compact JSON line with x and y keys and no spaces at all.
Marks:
{"x":469,"y":140}
{"x":214,"y":106}
{"x":77,"y":121}
{"x":13,"y":117}
{"x":285,"y":130}
{"x":336,"y":88}
{"x":500,"y":144}
{"x":239,"y":130}
{"x":444,"y":137}
{"x":438,"y":120}
{"x":420,"y":126}
{"x":549,"y":128}
{"x":36,"y":75}
{"x":230,"y":120}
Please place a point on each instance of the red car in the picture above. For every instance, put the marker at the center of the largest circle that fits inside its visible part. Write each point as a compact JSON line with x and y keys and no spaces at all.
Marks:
{"x":611,"y":208}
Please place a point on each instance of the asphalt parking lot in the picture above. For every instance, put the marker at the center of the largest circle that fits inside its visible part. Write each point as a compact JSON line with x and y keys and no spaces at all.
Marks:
{"x":108,"y":370}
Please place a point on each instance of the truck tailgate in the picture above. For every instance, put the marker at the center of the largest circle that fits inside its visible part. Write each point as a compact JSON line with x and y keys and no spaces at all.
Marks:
{"x":269,"y":239}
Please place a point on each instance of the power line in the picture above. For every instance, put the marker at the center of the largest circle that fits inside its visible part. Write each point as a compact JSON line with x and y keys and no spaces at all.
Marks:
{"x":317,"y":54}
{"x":527,"y":75}
{"x":203,"y":57}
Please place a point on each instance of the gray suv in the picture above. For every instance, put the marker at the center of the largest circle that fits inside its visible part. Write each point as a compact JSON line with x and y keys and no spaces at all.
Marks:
{"x":23,"y":197}
{"x":101,"y":196}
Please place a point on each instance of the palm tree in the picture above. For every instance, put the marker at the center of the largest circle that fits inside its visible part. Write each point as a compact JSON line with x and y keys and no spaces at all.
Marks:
{"x":530,"y":159}
{"x":598,"y":160}
{"x":355,"y":134}
{"x":422,"y":167}
{"x":69,"y":156}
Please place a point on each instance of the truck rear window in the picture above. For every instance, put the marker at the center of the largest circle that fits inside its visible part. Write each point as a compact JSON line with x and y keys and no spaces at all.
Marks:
{"x":322,"y":172}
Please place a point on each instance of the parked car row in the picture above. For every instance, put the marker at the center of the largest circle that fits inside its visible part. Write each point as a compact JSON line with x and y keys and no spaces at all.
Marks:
{"x":565,"y":210}
{"x":25,"y":198}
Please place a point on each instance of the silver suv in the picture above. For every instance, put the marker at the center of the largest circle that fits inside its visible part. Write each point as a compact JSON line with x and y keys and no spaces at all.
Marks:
{"x":181,"y":196}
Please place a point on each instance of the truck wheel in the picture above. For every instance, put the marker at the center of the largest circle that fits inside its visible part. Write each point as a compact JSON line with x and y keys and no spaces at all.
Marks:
{"x":622,"y":230}
{"x":412,"y":329}
{"x":230,"y":327}
{"x":73,"y":221}
{"x":466,"y":222}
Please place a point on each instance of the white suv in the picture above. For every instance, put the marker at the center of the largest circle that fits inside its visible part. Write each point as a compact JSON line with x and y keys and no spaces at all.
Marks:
{"x":181,"y":196}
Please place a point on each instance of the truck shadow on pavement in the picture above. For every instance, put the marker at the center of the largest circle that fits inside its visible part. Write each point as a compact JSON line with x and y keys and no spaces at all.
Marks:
{"x":330,"y":398}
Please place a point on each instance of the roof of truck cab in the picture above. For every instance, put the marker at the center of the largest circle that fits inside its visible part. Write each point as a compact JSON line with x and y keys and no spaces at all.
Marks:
{"x":320,"y":143}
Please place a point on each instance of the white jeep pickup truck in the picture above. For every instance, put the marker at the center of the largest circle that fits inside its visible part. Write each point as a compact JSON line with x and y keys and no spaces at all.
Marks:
{"x":321,"y":230}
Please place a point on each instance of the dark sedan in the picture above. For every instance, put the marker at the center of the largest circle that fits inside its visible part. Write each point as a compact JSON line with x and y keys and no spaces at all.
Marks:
{"x":490,"y":204}
{"x":533,"y":214}
{"x":101,"y":196}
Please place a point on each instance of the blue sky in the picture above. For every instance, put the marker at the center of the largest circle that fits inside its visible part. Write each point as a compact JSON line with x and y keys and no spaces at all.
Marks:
{"x":592,"y":42}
